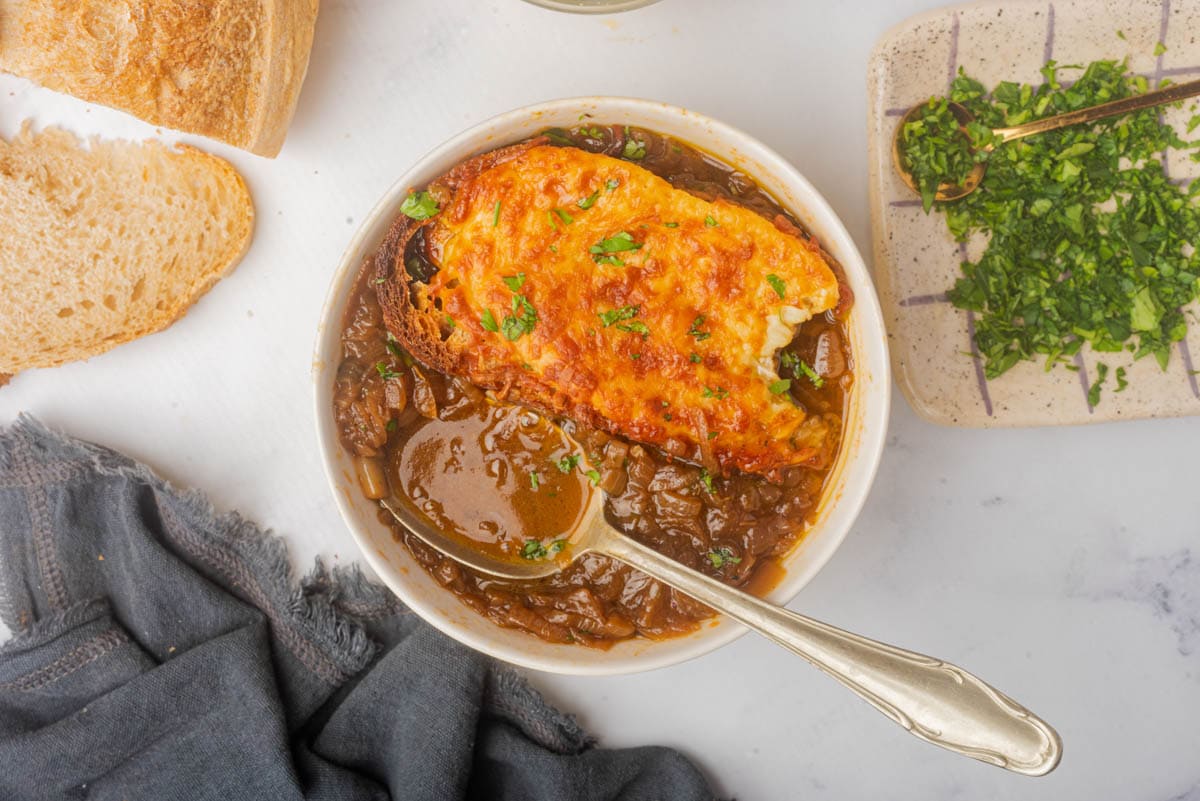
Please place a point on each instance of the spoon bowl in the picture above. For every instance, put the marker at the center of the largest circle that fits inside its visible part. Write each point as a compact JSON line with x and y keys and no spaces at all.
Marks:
{"x":946,"y":191}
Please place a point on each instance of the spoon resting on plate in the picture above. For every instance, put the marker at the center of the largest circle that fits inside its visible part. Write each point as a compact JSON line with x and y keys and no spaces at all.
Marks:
{"x":951,"y":191}
{"x":934,"y":700}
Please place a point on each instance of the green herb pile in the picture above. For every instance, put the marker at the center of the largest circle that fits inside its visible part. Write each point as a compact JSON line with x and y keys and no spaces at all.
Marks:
{"x":1088,"y":240}
{"x":935,"y":150}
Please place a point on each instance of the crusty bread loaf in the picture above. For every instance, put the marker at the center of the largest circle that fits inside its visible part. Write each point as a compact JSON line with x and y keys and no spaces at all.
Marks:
{"x":227,"y":69}
{"x":104,"y":244}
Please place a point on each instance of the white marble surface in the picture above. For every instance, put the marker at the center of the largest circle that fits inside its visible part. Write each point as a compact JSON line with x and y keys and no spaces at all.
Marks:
{"x":1061,"y":565}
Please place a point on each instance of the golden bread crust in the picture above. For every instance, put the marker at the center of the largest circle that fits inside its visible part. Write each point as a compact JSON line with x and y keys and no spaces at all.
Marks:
{"x":226,"y":69}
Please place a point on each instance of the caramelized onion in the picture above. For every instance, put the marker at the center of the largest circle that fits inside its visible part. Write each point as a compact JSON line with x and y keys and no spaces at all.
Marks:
{"x":371,"y":477}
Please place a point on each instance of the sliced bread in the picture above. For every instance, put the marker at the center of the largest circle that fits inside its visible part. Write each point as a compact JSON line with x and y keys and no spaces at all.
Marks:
{"x":227,"y":69}
{"x":109,"y":242}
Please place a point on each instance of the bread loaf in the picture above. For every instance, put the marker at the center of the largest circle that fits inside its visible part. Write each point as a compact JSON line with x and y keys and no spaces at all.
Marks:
{"x":226,"y":69}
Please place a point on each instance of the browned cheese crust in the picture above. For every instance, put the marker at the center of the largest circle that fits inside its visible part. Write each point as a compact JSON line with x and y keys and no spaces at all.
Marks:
{"x":666,"y":335}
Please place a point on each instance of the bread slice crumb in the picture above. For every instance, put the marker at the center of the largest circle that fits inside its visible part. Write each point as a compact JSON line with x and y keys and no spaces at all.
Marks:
{"x":107,"y":241}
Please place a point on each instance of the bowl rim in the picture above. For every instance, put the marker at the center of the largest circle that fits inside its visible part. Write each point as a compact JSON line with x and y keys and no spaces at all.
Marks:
{"x":611,"y":7}
{"x":871,"y":437}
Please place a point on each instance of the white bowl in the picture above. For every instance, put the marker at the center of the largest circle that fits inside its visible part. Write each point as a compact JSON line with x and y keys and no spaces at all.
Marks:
{"x":851,"y":477}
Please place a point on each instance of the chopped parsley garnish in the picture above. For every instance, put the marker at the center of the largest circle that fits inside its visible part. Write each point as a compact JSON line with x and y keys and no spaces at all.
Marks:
{"x":488,"y":321}
{"x":711,"y":221}
{"x":671,"y":225}
{"x":594,"y":477}
{"x":781,"y":386}
{"x":394,"y":348}
{"x":695,"y":329}
{"x":586,"y":203}
{"x":534,"y":481}
{"x":1087,"y":239}
{"x":1159,"y":49}
{"x":707,"y":480}
{"x":712,"y":434}
{"x":392,"y":425}
{"x":1121,"y":381}
{"x":799,"y":368}
{"x":620,"y":242}
{"x":720,"y":393}
{"x":514,"y":282}
{"x":635,"y":149}
{"x":695,"y":358}
{"x":636,"y":327}
{"x":496,"y":215}
{"x":567,"y":463}
{"x":1094,"y":389}
{"x":419,"y":206}
{"x":449,"y":321}
{"x":616,"y":315}
{"x":635,"y":356}
{"x":719,"y":557}
{"x":521,"y":321}
{"x":611,"y":184}
{"x":535,"y":549}
{"x":562,"y":215}
{"x":811,"y":374}
{"x":778,"y":285}
{"x":385,"y":372}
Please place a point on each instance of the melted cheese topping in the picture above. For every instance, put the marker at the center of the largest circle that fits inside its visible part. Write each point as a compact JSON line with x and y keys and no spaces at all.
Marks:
{"x":690,"y":366}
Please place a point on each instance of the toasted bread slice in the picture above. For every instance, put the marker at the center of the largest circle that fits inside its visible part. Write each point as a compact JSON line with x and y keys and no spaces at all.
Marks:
{"x":588,"y":286}
{"x":227,"y":69}
{"x":104,"y":244}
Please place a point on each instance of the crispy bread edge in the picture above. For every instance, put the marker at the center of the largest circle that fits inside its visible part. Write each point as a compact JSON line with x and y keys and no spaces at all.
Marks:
{"x":419,"y":330}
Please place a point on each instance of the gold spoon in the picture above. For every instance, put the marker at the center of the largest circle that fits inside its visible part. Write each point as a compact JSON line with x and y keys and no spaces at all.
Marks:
{"x":949,"y":191}
{"x":934,"y":700}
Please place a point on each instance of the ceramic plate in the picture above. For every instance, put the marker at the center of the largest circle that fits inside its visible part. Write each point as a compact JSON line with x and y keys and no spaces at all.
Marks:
{"x":916,"y":260}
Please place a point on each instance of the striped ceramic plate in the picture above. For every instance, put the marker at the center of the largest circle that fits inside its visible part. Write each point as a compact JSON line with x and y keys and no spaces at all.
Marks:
{"x":916,"y":260}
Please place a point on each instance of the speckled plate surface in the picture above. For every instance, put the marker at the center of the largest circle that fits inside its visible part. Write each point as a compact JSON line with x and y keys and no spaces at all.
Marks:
{"x":916,"y":260}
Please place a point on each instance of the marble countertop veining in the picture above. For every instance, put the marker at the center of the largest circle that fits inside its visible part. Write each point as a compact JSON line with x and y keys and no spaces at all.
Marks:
{"x":1062,"y":565}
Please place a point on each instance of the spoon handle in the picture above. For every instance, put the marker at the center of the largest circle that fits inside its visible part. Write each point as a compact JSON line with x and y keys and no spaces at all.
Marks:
{"x":934,"y":700}
{"x":1158,"y":97}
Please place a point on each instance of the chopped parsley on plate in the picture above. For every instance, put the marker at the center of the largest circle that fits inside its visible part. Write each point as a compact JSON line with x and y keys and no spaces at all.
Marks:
{"x":1086,"y":240}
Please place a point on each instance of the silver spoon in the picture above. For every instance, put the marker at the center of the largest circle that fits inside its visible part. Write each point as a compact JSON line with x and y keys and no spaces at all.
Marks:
{"x":949,"y":191}
{"x":934,"y":700}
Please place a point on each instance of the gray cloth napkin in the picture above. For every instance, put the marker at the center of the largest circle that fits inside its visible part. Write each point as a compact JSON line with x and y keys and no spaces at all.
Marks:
{"x":164,"y":652}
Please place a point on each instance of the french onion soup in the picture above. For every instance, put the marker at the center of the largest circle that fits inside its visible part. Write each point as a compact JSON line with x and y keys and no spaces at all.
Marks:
{"x":601,"y":309}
